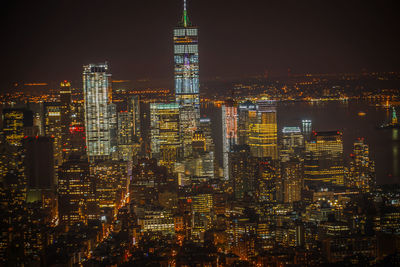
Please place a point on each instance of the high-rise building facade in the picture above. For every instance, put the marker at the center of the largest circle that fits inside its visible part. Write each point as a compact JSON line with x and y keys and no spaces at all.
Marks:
{"x":52,"y":128}
{"x":243,"y":171}
{"x":14,"y":123}
{"x":292,"y":143}
{"x":243,"y":121}
{"x":263,"y":136}
{"x":134,"y":109}
{"x":125,"y":135}
{"x":65,"y":118}
{"x":165,"y":135}
{"x":76,"y":196}
{"x":229,"y":134}
{"x":324,"y":159}
{"x":39,"y":162}
{"x":267,"y":180}
{"x":188,"y":122}
{"x":292,"y":175}
{"x":186,"y":58}
{"x":306,"y":128}
{"x":111,"y":182}
{"x":205,"y":128}
{"x":362,"y":168}
{"x":97,"y":99}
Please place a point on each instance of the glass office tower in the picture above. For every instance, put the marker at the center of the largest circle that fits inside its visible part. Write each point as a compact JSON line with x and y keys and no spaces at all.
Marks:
{"x":165,"y":137}
{"x":65,"y":118}
{"x":263,"y":136}
{"x":324,"y":159}
{"x":97,"y":97}
{"x":186,"y":57}
{"x":229,"y":134}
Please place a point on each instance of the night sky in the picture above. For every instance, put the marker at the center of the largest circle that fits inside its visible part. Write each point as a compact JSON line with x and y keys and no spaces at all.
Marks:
{"x":51,"y":40}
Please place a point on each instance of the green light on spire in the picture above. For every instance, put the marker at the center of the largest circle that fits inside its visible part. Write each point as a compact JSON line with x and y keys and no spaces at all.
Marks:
{"x":185,"y":16}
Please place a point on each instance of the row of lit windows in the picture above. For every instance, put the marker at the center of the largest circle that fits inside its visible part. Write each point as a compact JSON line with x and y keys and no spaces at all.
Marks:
{"x":181,"y":49}
{"x":185,"y":31}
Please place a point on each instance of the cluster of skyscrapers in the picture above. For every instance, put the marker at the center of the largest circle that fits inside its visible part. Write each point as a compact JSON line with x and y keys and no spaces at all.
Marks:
{"x":99,"y":167}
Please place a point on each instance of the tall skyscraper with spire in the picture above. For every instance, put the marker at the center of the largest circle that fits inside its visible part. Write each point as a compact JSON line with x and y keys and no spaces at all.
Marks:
{"x":186,"y":57}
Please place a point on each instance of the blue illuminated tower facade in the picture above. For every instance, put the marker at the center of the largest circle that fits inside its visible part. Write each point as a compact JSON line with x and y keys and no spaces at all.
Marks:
{"x":186,"y":58}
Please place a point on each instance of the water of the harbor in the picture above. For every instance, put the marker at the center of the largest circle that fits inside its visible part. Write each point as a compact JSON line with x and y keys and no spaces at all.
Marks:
{"x":342,"y":116}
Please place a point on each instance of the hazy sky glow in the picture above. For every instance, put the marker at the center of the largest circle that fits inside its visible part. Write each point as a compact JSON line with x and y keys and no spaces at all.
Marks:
{"x":51,"y":40}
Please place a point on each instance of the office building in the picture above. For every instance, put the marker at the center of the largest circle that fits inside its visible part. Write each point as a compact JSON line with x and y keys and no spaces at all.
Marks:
{"x":97,"y":100}
{"x":134,"y":109}
{"x":188,"y":122}
{"x":362,"y":168}
{"x":156,"y":220}
{"x":186,"y":58}
{"x":263,"y":137}
{"x":292,"y":176}
{"x":125,"y":135}
{"x":111,"y":178}
{"x":292,"y":143}
{"x":243,"y":172}
{"x":15,"y":121}
{"x":65,"y":118}
{"x":323,"y":163}
{"x":243,"y":121}
{"x":165,"y":136}
{"x":76,"y":198}
{"x":52,"y":128}
{"x":229,"y":134}
{"x":205,"y":128}
{"x":39,"y":166}
{"x":306,"y":128}
{"x":268,"y":180}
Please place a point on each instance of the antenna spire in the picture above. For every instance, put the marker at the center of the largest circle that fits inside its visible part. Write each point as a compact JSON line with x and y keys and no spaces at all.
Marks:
{"x":185,"y":18}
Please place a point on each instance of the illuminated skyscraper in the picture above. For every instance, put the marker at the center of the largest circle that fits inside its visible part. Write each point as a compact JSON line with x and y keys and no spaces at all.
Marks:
{"x":263,"y":137}
{"x":292,"y":172}
{"x":124,"y":135}
{"x":65,"y":119}
{"x":134,"y":109}
{"x":306,"y":128}
{"x":97,"y":98}
{"x":243,"y":121}
{"x":165,"y":135}
{"x":202,"y":203}
{"x":242,"y":171}
{"x":14,"y":123}
{"x":52,"y":128}
{"x":292,"y":143}
{"x":229,"y":134}
{"x":324,"y":159}
{"x":186,"y":57}
{"x":362,"y":168}
{"x":111,"y":182}
{"x":188,"y":122}
{"x":267,"y":180}
{"x":76,"y":196}
{"x":77,"y":129}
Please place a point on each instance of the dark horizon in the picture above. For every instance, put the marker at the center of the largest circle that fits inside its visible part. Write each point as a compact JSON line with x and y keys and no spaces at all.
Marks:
{"x":52,"y":40}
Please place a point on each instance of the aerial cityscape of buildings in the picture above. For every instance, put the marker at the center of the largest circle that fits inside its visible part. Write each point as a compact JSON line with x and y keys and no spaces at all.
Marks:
{"x":98,"y":173}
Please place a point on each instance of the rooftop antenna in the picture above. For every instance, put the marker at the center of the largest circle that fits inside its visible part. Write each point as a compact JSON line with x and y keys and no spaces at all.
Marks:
{"x":185,"y":18}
